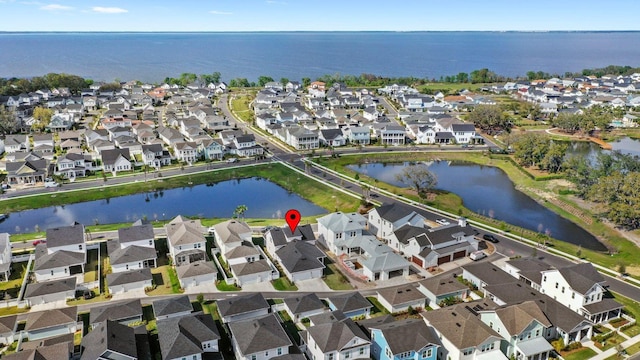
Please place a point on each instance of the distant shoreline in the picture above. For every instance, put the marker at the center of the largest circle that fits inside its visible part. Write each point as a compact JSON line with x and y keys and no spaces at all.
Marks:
{"x":320,"y":32}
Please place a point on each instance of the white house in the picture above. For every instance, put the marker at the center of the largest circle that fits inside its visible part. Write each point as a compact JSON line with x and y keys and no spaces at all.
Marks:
{"x":188,"y":337}
{"x":340,"y":226}
{"x":259,"y":339}
{"x":186,"y":240}
{"x":384,"y":220}
{"x":337,"y":340}
{"x":5,"y":256}
{"x":243,"y":307}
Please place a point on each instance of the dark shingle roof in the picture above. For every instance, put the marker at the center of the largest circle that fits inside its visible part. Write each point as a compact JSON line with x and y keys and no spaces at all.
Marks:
{"x":261,"y":334}
{"x":48,"y":352}
{"x":131,"y":253}
{"x":46,"y":319}
{"x":65,"y":235}
{"x":460,"y":326}
{"x":116,"y":312}
{"x":304,"y":303}
{"x":581,"y":277}
{"x":298,"y":256}
{"x":393,"y":212}
{"x":442,"y":285}
{"x":109,"y":336}
{"x":401,"y":294}
{"x":335,"y":336}
{"x":60,"y":258}
{"x":8,"y":324}
{"x":135,"y":233}
{"x":242,"y":304}
{"x":50,"y":287}
{"x":407,"y":335}
{"x":129,"y":277}
{"x":172,"y":305}
{"x":196,"y":269}
{"x":350,"y":302}
{"x":183,"y":336}
{"x":489,"y":273}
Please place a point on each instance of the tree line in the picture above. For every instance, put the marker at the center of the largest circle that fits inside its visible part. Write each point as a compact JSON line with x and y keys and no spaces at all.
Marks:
{"x":15,"y":86}
{"x":612,"y":178}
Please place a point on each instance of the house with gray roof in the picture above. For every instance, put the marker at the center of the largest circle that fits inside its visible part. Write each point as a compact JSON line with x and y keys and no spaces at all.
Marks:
{"x":188,"y":336}
{"x":582,"y":289}
{"x":262,"y":338}
{"x":528,"y":270}
{"x":242,"y":307}
{"x":124,"y":312}
{"x":301,"y":260}
{"x":172,"y":307}
{"x":140,"y":234}
{"x":115,"y":160}
{"x":463,"y":335}
{"x":523,"y":327}
{"x":338,"y":340}
{"x":350,"y":304}
{"x":58,"y":351}
{"x":197,"y":273}
{"x":276,"y":237}
{"x":400,"y":298}
{"x":109,"y":339}
{"x":332,"y":137}
{"x":8,"y":326}
{"x":57,"y":265}
{"x":132,"y":280}
{"x":50,"y":291}
{"x":230,"y":234}
{"x":185,"y":238}
{"x":338,"y":226}
{"x":406,"y":339}
{"x":27,"y":172}
{"x":370,"y":259}
{"x":45,"y":324}
{"x":429,"y":247}
{"x":304,"y":306}
{"x":131,"y":257}
{"x":439,"y":288}
{"x":387,"y":218}
{"x":482,"y":274}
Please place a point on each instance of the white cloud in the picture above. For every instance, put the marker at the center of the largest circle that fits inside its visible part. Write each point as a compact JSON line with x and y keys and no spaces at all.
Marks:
{"x":56,"y":7}
{"x":215,"y":12}
{"x":109,"y":10}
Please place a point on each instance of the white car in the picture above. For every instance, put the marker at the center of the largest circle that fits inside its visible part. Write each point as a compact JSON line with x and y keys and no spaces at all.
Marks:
{"x":50,"y":183}
{"x":443,"y":222}
{"x":477,"y":255}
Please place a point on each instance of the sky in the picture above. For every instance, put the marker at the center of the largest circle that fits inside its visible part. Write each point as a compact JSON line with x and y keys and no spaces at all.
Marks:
{"x":325,"y":15}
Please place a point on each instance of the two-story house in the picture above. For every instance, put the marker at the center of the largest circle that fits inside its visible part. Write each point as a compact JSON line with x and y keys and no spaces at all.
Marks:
{"x":259,"y":339}
{"x":405,"y":339}
{"x":384,"y":220}
{"x":72,"y":165}
{"x":523,"y":326}
{"x":188,"y":337}
{"x":115,"y":160}
{"x":133,"y":249}
{"x":337,"y":340}
{"x":340,"y":226}
{"x":581,"y":288}
{"x":186,"y":240}
{"x":64,"y":253}
{"x":5,"y":256}
{"x":186,"y":151}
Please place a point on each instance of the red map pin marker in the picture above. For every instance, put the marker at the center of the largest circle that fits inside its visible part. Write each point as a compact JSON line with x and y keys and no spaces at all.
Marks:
{"x":293,"y":219}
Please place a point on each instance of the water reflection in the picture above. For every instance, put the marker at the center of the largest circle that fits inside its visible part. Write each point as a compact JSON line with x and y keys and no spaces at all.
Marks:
{"x":489,"y":192}
{"x":264,"y":199}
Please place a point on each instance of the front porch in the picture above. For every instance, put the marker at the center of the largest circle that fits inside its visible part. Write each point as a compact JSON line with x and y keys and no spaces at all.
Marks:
{"x":533,"y":349}
{"x":603,"y":311}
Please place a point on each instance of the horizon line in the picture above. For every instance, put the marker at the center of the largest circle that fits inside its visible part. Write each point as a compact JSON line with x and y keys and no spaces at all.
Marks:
{"x":297,"y":31}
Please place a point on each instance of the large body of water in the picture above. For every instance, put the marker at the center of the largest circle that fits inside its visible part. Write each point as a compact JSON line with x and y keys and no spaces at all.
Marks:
{"x":263,"y":198}
{"x":153,"y":56}
{"x":489,"y":191}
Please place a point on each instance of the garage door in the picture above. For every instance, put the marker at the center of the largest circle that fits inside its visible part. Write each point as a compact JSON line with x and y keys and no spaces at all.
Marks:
{"x":459,"y":254}
{"x":417,"y":261}
{"x":444,"y":259}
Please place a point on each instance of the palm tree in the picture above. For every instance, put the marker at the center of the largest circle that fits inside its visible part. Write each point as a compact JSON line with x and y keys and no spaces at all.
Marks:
{"x":239,"y":211}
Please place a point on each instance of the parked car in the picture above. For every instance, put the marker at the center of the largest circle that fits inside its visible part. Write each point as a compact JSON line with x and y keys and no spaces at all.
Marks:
{"x":443,"y":222}
{"x":232,"y":160}
{"x":37,"y":242}
{"x":477,"y":255}
{"x":490,"y":237}
{"x":49,"y":182}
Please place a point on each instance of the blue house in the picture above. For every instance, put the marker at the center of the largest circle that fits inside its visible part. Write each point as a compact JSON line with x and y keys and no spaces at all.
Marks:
{"x":405,"y":339}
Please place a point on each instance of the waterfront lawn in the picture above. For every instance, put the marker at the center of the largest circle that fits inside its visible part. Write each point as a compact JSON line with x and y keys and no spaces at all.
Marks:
{"x":334,"y":278}
{"x":240,"y":106}
{"x":448,"y":88}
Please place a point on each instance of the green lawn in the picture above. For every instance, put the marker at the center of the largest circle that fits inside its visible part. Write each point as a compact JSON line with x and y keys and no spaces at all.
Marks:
{"x":91,"y":268}
{"x":290,"y":327}
{"x":240,"y":106}
{"x":334,"y":278}
{"x":12,"y":287}
{"x":12,"y":310}
{"x":223,"y":286}
{"x":163,"y":281}
{"x":582,"y":354}
{"x":630,"y":306}
{"x":633,"y":349}
{"x":611,"y":342}
{"x":378,"y":309}
{"x":283,"y":284}
{"x":632,"y":331}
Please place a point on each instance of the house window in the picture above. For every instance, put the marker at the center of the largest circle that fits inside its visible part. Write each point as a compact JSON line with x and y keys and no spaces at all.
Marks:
{"x":467,"y":352}
{"x":491,"y":324}
{"x":347,"y":354}
{"x":279,"y":351}
{"x":253,"y":357}
{"x":330,"y":357}
{"x":537,"y":332}
{"x":127,"y":267}
{"x":544,"y":278}
{"x":266,"y":353}
{"x":387,"y":352}
{"x":556,"y":285}
{"x":79,"y":247}
{"x":51,"y":272}
{"x":573,"y":295}
{"x":150,"y":242}
{"x":362,"y":350}
{"x":563,"y":289}
{"x":65,"y":270}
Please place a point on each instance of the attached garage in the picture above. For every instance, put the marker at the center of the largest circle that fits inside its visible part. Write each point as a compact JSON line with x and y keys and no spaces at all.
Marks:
{"x":444,"y":259}
{"x":418,"y":261}
{"x":459,"y":254}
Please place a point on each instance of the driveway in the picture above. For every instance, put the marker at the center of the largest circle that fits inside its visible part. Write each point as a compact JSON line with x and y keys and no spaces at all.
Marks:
{"x":312,"y":285}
